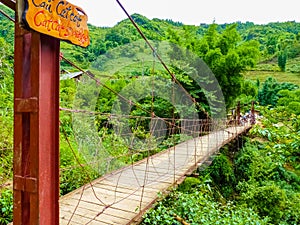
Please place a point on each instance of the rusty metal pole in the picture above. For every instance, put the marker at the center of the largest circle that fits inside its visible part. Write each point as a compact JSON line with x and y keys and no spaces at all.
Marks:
{"x":36,"y":128}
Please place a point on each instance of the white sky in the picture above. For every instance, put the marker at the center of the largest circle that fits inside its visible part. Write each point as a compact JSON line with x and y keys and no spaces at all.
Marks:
{"x":108,"y":12}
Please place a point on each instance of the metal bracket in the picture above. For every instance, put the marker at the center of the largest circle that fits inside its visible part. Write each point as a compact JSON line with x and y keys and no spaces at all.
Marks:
{"x":26,"y":184}
{"x":26,"y":105}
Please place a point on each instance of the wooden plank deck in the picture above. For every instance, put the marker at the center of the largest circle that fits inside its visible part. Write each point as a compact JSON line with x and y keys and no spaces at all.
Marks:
{"x":123,"y":196}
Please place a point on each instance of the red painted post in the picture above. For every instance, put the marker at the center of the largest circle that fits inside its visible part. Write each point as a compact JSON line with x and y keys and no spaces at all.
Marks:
{"x":36,"y":133}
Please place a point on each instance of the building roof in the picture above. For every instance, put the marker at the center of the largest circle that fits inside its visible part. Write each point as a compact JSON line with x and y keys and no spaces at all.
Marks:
{"x":67,"y":76}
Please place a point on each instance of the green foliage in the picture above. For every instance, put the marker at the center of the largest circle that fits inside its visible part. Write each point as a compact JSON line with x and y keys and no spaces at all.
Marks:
{"x":290,"y":100}
{"x":249,"y":94}
{"x":282,"y":58}
{"x":78,"y":55}
{"x":7,"y":26}
{"x":189,"y":184}
{"x":275,"y":38}
{"x":198,"y":207}
{"x":227,"y":49}
{"x":268,"y":172}
{"x":268,"y":200}
{"x":222,"y":174}
{"x":6,"y":159}
{"x":227,"y":58}
{"x":244,"y":161}
{"x":6,"y":111}
{"x":75,"y":171}
{"x":67,"y":95}
{"x":222,"y":49}
{"x":268,"y":94}
{"x":6,"y":115}
{"x":225,"y":53}
{"x":113,"y":39}
{"x":6,"y":207}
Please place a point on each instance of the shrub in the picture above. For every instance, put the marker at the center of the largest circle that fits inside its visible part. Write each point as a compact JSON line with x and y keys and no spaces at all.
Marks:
{"x":222,"y":173}
{"x":268,"y":200}
{"x":6,"y":207}
{"x":268,"y":95}
{"x":199,"y":208}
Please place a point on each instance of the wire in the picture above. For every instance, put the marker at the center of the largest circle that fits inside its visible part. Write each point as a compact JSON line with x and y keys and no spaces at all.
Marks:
{"x":6,"y":15}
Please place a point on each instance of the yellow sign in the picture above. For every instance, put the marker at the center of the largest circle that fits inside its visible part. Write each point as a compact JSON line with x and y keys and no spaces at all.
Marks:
{"x":59,"y":19}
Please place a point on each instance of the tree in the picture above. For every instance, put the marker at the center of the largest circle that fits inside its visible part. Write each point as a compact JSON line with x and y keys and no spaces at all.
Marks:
{"x":227,"y":57}
{"x":282,"y":58}
{"x":268,"y":94}
{"x":224,"y":52}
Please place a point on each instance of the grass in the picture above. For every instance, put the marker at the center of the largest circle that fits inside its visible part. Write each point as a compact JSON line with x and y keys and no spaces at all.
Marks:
{"x":270,"y":69}
{"x":279,"y":76}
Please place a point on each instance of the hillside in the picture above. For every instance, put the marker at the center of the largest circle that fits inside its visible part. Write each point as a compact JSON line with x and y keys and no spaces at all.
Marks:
{"x":275,"y":39}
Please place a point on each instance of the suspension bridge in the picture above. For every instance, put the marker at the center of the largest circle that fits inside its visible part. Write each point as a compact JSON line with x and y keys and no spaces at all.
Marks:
{"x":123,"y":196}
{"x":118,"y":197}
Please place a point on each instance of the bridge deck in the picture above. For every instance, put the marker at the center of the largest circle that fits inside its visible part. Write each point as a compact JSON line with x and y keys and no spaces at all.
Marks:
{"x":123,"y":196}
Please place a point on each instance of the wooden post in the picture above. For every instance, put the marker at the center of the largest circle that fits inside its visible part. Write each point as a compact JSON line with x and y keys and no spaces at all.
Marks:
{"x":238,"y":113}
{"x":252,"y":116}
{"x":36,"y":127}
